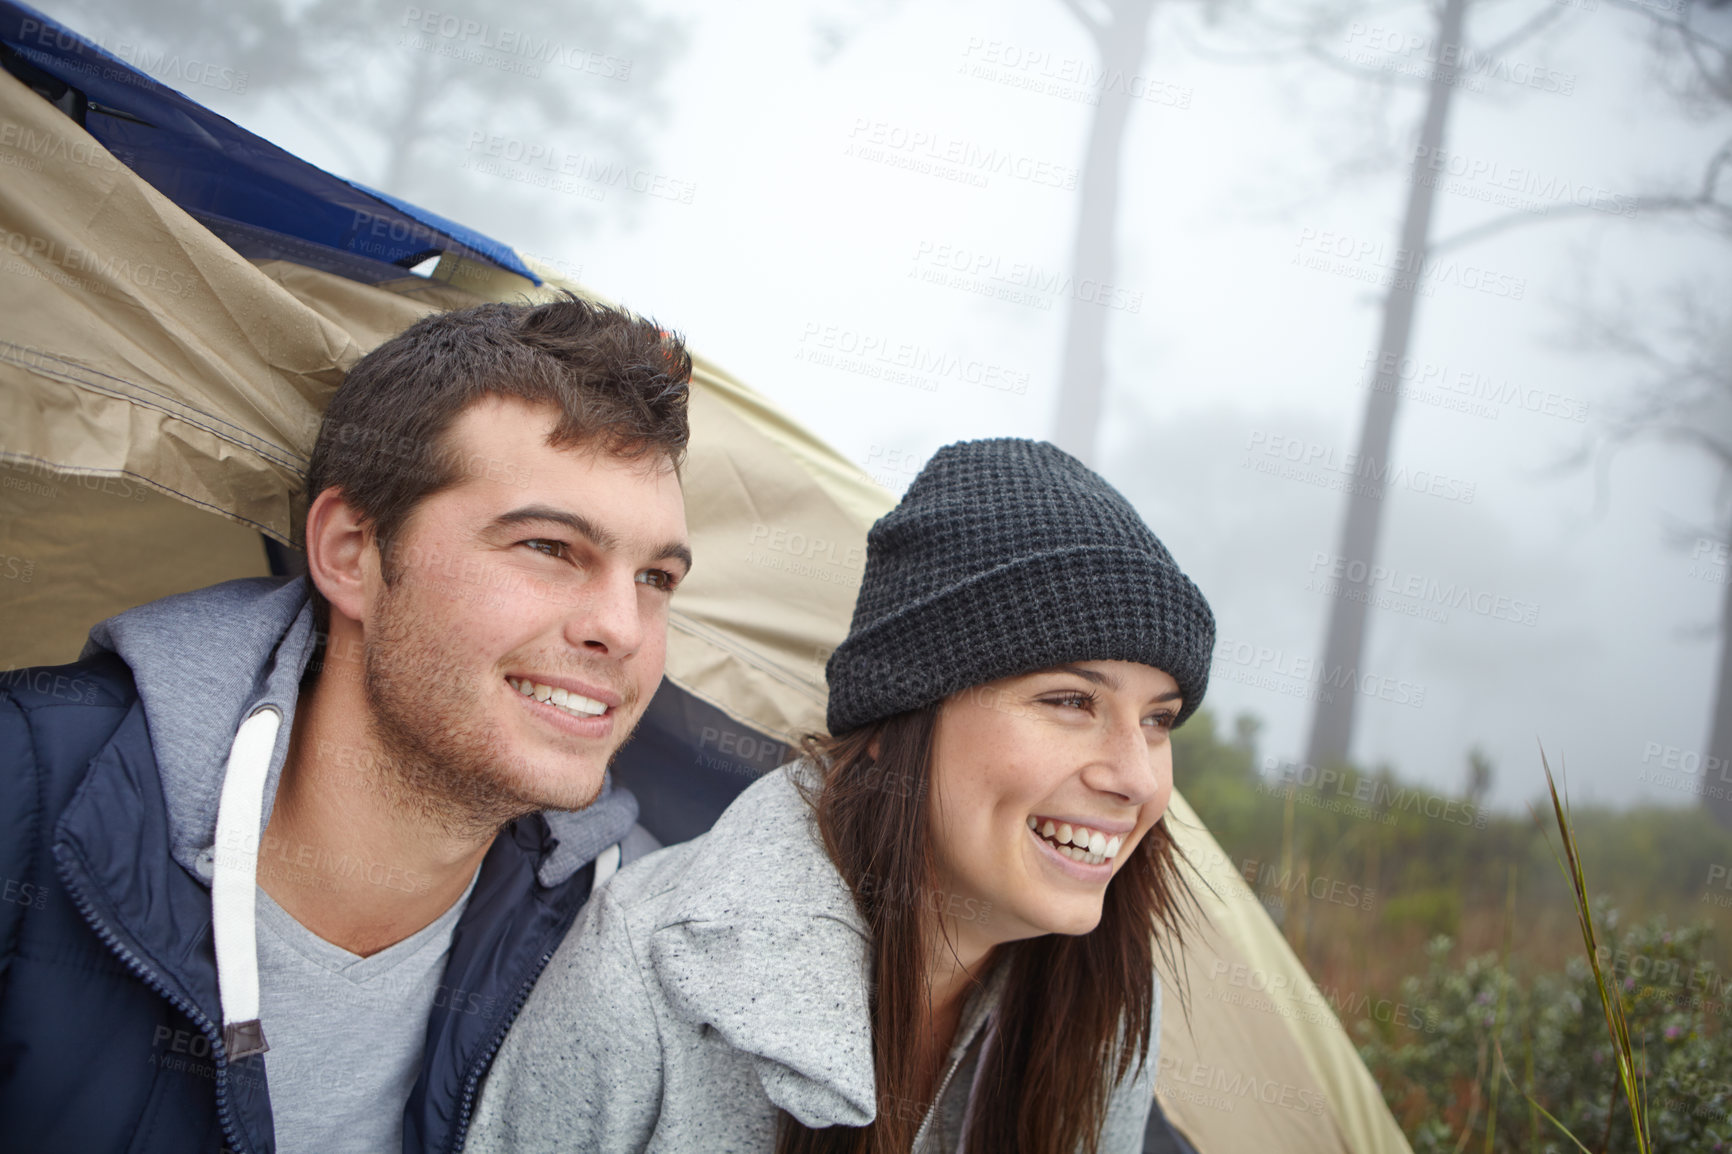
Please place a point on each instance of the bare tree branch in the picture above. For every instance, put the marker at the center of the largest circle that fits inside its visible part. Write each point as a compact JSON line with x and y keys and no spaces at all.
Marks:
{"x":1718,"y":450}
{"x":1712,"y":207}
{"x":1533,"y":27}
{"x":1718,"y":80}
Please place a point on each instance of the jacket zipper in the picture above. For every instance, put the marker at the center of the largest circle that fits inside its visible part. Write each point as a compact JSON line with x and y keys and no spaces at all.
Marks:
{"x":938,"y":1100}
{"x":473,"y":1085}
{"x":142,"y":971}
{"x":982,"y":1022}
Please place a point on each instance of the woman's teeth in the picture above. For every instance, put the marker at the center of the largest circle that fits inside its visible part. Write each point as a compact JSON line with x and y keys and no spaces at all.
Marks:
{"x":575,"y":704}
{"x":1078,"y":842}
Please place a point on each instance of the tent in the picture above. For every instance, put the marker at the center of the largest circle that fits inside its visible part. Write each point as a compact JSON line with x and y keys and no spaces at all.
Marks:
{"x":178,"y":299}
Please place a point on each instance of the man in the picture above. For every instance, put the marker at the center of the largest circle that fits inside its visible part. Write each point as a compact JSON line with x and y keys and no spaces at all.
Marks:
{"x":296,"y":852}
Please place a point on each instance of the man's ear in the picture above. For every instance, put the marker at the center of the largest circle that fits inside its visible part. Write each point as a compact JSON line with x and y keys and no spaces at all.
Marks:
{"x":338,"y":549}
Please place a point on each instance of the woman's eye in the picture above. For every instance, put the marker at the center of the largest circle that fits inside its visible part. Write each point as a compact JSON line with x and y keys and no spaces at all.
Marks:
{"x":551,"y":548}
{"x":1073,"y":700}
{"x":1162,"y":720}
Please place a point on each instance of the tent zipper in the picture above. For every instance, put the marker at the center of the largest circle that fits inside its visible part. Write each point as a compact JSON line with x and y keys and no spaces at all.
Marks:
{"x":144,"y":973}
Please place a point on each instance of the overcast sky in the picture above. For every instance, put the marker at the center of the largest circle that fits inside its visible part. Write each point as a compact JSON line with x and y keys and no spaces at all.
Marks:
{"x":785,"y":211}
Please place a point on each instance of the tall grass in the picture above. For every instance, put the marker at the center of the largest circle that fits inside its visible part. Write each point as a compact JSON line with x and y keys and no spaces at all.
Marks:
{"x":1630,"y":1070}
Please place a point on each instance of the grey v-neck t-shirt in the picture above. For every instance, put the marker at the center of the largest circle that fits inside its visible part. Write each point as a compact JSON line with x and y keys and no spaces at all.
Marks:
{"x":346,"y":1033}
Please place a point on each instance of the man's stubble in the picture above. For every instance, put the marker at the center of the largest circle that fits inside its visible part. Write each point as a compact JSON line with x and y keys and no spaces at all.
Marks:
{"x":440,"y":757}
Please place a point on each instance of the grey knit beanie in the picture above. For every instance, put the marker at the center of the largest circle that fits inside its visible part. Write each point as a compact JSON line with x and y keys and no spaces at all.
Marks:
{"x":1007,"y":556}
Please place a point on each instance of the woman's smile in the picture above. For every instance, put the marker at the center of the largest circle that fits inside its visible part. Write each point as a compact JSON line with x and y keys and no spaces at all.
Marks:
{"x":1086,"y":845}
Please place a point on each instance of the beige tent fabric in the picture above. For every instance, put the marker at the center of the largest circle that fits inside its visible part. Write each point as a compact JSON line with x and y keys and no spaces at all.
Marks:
{"x":1261,"y":1062}
{"x":135,"y":343}
{"x":75,"y":549}
{"x":142,"y":359}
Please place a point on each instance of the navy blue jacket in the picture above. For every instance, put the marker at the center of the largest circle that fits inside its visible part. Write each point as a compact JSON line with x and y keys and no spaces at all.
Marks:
{"x":110,"y":1035}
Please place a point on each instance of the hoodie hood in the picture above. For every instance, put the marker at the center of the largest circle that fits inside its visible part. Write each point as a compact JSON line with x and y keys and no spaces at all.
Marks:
{"x":707,"y":987}
{"x":762,"y":943}
{"x":205,"y":661}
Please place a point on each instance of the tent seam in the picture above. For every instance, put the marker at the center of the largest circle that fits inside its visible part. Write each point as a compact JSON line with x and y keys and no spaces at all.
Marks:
{"x":276,"y":454}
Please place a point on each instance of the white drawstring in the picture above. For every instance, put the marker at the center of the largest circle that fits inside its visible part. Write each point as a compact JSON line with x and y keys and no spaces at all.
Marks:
{"x":234,"y":882}
{"x":606,"y":865}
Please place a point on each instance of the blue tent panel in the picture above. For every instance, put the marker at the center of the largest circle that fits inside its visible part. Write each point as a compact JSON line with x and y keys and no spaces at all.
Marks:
{"x":256,"y":196}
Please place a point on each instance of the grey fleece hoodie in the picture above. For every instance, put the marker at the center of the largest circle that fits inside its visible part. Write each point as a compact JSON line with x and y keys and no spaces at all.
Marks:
{"x":711,"y":983}
{"x":207,"y":660}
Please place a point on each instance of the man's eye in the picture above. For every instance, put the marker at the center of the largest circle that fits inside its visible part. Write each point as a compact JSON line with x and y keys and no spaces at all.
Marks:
{"x":551,"y":548}
{"x":658,"y":579}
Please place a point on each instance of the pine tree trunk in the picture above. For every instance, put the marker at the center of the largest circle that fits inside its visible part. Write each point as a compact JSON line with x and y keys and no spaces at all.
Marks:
{"x":1344,"y":642}
{"x":1082,"y":380}
{"x":1717,"y":765}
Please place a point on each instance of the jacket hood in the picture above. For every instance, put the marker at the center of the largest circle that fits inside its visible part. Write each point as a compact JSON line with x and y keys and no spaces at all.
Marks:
{"x":207,"y":660}
{"x":763,"y":943}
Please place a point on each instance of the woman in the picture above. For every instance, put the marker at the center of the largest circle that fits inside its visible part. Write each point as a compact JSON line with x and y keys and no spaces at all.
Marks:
{"x":937,"y":931}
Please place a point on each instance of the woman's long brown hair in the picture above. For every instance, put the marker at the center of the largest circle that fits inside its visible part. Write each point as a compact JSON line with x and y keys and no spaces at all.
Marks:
{"x":1075,"y":1015}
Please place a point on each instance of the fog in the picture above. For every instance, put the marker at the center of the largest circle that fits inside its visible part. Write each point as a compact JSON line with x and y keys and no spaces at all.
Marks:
{"x":802,"y":201}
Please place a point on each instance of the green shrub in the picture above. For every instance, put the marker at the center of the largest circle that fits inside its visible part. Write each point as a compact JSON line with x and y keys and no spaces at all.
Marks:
{"x":1441,"y":1083}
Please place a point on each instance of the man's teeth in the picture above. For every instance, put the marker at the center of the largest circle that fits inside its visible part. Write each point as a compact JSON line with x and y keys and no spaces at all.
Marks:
{"x":1077,"y":842}
{"x":573,"y":703}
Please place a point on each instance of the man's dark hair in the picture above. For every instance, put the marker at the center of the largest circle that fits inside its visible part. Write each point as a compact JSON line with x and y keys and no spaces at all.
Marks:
{"x":619,"y":382}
